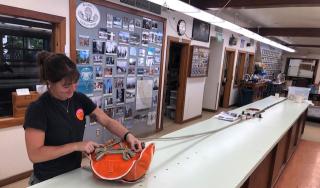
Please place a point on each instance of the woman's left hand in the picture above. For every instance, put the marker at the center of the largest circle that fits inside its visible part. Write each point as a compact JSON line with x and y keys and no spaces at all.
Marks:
{"x":134,"y":143}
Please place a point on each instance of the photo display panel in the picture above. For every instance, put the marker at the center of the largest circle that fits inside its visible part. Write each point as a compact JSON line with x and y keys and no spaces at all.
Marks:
{"x":119,"y":59}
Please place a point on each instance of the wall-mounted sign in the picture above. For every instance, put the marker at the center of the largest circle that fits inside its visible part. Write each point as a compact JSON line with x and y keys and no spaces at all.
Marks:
{"x":88,"y":15}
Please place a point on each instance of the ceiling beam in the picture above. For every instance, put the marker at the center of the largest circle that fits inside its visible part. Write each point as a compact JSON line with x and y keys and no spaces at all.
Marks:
{"x":204,"y":4}
{"x":287,"y":32}
{"x":304,"y":45}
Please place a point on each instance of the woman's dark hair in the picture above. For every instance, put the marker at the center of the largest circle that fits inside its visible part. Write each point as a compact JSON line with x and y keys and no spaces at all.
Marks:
{"x":55,"y":67}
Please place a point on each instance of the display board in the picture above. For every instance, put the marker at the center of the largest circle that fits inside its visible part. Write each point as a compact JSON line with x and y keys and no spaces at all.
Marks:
{"x":303,"y":68}
{"x":118,"y":55}
{"x":199,"y":61}
{"x":271,"y":57}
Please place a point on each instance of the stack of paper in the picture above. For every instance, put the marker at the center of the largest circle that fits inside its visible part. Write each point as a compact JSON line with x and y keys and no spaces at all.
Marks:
{"x":227,"y":116}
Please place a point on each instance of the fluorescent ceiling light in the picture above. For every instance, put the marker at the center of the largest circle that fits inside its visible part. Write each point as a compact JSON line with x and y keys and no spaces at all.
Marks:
{"x":212,"y":19}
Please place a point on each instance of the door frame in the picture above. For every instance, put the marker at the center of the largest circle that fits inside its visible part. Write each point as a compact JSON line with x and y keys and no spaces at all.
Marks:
{"x":183,"y":72}
{"x":240,"y":69}
{"x":230,"y":67}
{"x":251,"y":63}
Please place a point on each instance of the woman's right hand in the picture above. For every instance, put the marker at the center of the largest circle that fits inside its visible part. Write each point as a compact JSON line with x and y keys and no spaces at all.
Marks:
{"x":86,"y":146}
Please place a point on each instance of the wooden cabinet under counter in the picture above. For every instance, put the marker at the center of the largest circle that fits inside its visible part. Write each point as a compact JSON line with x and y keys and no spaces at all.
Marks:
{"x":20,"y":102}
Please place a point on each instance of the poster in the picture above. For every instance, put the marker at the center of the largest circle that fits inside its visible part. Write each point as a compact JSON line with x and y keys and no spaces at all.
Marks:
{"x":144,"y":94}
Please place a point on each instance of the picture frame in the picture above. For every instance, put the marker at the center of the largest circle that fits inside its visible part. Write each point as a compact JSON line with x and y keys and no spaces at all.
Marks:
{"x":200,"y":30}
{"x":198,"y":61}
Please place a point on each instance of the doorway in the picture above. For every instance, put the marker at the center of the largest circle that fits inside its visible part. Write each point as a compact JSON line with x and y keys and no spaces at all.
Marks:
{"x":227,"y":78}
{"x":241,"y":60}
{"x":175,"y":78}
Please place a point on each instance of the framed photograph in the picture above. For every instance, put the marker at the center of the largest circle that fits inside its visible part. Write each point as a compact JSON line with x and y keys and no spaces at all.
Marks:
{"x":111,"y":48}
{"x":82,"y":56}
{"x":107,"y":83}
{"x":131,"y":71}
{"x":121,"y":67}
{"x":142,"y":52}
{"x":131,"y":82}
{"x":109,"y":20}
{"x":118,"y":82}
{"x":141,"y":61}
{"x":132,"y":61}
{"x":108,"y":71}
{"x":122,"y":52}
{"x":117,"y":22}
{"x":98,"y":47}
{"x":125,"y":23}
{"x":84,"y":40}
{"x":120,"y":96}
{"x":200,"y":30}
{"x":131,"y":25}
{"x":123,"y":37}
{"x":146,"y":23}
{"x":145,"y":38}
{"x":109,"y":60}
{"x":137,"y":23}
{"x":134,"y":38}
{"x":97,"y":59}
{"x":130,"y":95}
{"x":108,"y":102}
{"x":98,"y":86}
{"x":99,"y":72}
{"x":133,"y":51}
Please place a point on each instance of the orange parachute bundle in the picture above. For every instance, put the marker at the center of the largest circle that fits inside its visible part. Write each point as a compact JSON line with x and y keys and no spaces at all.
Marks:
{"x":116,"y":161}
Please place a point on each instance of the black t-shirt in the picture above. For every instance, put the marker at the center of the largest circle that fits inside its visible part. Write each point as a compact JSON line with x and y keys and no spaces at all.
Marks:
{"x":63,"y":122}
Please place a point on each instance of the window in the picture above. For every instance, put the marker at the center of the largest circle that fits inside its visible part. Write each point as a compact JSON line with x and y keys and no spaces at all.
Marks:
{"x":18,"y":68}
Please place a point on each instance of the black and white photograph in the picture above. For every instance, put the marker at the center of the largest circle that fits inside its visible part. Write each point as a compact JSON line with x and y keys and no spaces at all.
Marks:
{"x":118,"y":82}
{"x":200,"y":30}
{"x":155,"y":100}
{"x":142,"y":52}
{"x":97,"y":59}
{"x":152,"y":37}
{"x":134,"y":38}
{"x":109,"y":60}
{"x":122,"y":52}
{"x":146,"y":23}
{"x":117,"y":22}
{"x":99,"y":72}
{"x":131,"y":25}
{"x":157,"y":59}
{"x":131,"y":82}
{"x":108,"y":101}
{"x":149,"y":61}
{"x":129,"y":112}
{"x":133,"y":51}
{"x":98,"y":86}
{"x":103,"y":33}
{"x":151,"y":118}
{"x":137,"y":23}
{"x":97,"y":100}
{"x":125,"y":23}
{"x":84,"y":40}
{"x":109,"y":112}
{"x":111,"y":47}
{"x":120,"y":96}
{"x":98,"y":47}
{"x":131,"y":71}
{"x":123,"y":37}
{"x":119,"y":111}
{"x":109,"y":20}
{"x":145,"y":38}
{"x":107,"y":83}
{"x":141,"y":61}
{"x":121,"y":67}
{"x":157,"y":51}
{"x":154,"y":25}
{"x":111,"y":36}
{"x":155,"y":83}
{"x":132,"y":61}
{"x":83,"y":57}
{"x":158,"y":39}
{"x":108,"y":71}
{"x":130,"y":95}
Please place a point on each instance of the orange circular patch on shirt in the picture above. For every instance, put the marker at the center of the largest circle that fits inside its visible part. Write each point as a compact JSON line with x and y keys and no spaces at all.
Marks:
{"x":80,"y":114}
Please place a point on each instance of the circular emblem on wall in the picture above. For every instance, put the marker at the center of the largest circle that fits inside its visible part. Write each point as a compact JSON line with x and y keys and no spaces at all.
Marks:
{"x":88,"y":15}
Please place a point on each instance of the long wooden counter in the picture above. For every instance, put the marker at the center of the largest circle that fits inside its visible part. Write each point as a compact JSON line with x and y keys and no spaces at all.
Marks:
{"x":250,"y":154}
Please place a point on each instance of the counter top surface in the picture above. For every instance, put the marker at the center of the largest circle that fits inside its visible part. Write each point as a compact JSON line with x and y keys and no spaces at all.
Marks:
{"x":223,"y":159}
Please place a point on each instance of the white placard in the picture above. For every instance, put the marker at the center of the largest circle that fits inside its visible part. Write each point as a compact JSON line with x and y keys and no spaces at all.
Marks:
{"x":144,"y":94}
{"x":23,"y":91}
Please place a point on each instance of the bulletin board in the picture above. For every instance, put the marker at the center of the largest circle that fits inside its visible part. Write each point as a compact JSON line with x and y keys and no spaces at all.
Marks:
{"x":199,"y":61}
{"x":118,"y":51}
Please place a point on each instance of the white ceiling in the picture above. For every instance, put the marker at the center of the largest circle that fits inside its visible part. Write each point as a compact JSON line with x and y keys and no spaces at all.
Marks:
{"x":298,"y":17}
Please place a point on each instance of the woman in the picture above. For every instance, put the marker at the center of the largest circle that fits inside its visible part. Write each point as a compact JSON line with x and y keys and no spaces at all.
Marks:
{"x":54,"y":124}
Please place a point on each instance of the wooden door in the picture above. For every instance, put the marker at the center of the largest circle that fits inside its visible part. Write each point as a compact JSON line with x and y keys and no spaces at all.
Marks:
{"x":240,"y":68}
{"x":251,"y":64}
{"x":229,"y":60}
